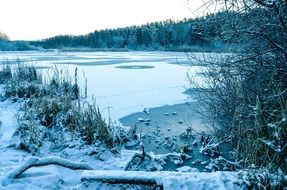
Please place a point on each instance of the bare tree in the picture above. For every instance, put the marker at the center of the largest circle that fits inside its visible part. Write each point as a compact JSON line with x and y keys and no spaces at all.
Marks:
{"x":246,"y":100}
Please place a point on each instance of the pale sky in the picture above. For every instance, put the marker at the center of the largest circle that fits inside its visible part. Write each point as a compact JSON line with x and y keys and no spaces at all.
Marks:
{"x":38,"y":19}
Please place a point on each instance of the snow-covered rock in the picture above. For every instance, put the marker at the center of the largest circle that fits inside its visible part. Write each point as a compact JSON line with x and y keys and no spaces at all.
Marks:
{"x":187,"y":169}
{"x":105,"y":155}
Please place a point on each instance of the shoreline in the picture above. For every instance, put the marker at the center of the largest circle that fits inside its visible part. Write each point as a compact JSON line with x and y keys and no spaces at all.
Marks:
{"x":169,"y":129}
{"x":168,"y":121}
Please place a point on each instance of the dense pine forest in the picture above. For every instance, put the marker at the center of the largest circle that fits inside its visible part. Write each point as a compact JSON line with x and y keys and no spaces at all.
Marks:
{"x":202,"y":33}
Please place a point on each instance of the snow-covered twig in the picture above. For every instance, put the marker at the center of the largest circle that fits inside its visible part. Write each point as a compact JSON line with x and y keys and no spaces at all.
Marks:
{"x":237,"y":164}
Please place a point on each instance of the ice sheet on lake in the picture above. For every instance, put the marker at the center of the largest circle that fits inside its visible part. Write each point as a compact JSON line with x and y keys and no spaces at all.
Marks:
{"x":123,"y":91}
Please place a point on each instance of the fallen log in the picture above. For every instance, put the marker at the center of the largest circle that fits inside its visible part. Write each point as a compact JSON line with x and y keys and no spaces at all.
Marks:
{"x":121,"y":177}
{"x":163,"y":180}
{"x":35,"y":162}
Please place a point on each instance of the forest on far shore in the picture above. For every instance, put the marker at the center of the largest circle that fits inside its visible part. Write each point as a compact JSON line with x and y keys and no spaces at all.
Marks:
{"x":203,"y":34}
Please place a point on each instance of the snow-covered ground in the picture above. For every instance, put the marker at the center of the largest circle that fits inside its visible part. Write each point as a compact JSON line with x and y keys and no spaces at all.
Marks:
{"x":57,"y":177}
{"x":126,"y":90}
{"x":105,"y":164}
{"x":48,"y":177}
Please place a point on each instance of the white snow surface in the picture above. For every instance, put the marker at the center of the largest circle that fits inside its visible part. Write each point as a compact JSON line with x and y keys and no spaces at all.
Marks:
{"x":51,"y":176}
{"x":106,"y":165}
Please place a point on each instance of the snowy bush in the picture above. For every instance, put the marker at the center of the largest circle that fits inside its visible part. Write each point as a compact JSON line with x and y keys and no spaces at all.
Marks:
{"x":262,"y":179}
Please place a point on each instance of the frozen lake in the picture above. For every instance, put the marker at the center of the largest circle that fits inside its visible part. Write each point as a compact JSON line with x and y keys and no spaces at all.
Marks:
{"x":124,"y":82}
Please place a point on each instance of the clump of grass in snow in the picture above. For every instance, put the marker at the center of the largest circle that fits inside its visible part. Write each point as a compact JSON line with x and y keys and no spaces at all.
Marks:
{"x":29,"y":135}
{"x":20,"y":82}
{"x":94,"y":127}
{"x":5,"y":74}
{"x":55,"y":104}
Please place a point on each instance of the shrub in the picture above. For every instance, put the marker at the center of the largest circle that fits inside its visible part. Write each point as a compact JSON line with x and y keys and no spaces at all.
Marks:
{"x":246,"y":93}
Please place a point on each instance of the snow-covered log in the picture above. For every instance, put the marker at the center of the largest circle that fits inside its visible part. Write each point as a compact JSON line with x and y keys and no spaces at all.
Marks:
{"x":165,"y":179}
{"x":63,"y":163}
{"x":28,"y":164}
{"x":120,"y":177}
{"x":35,"y":162}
